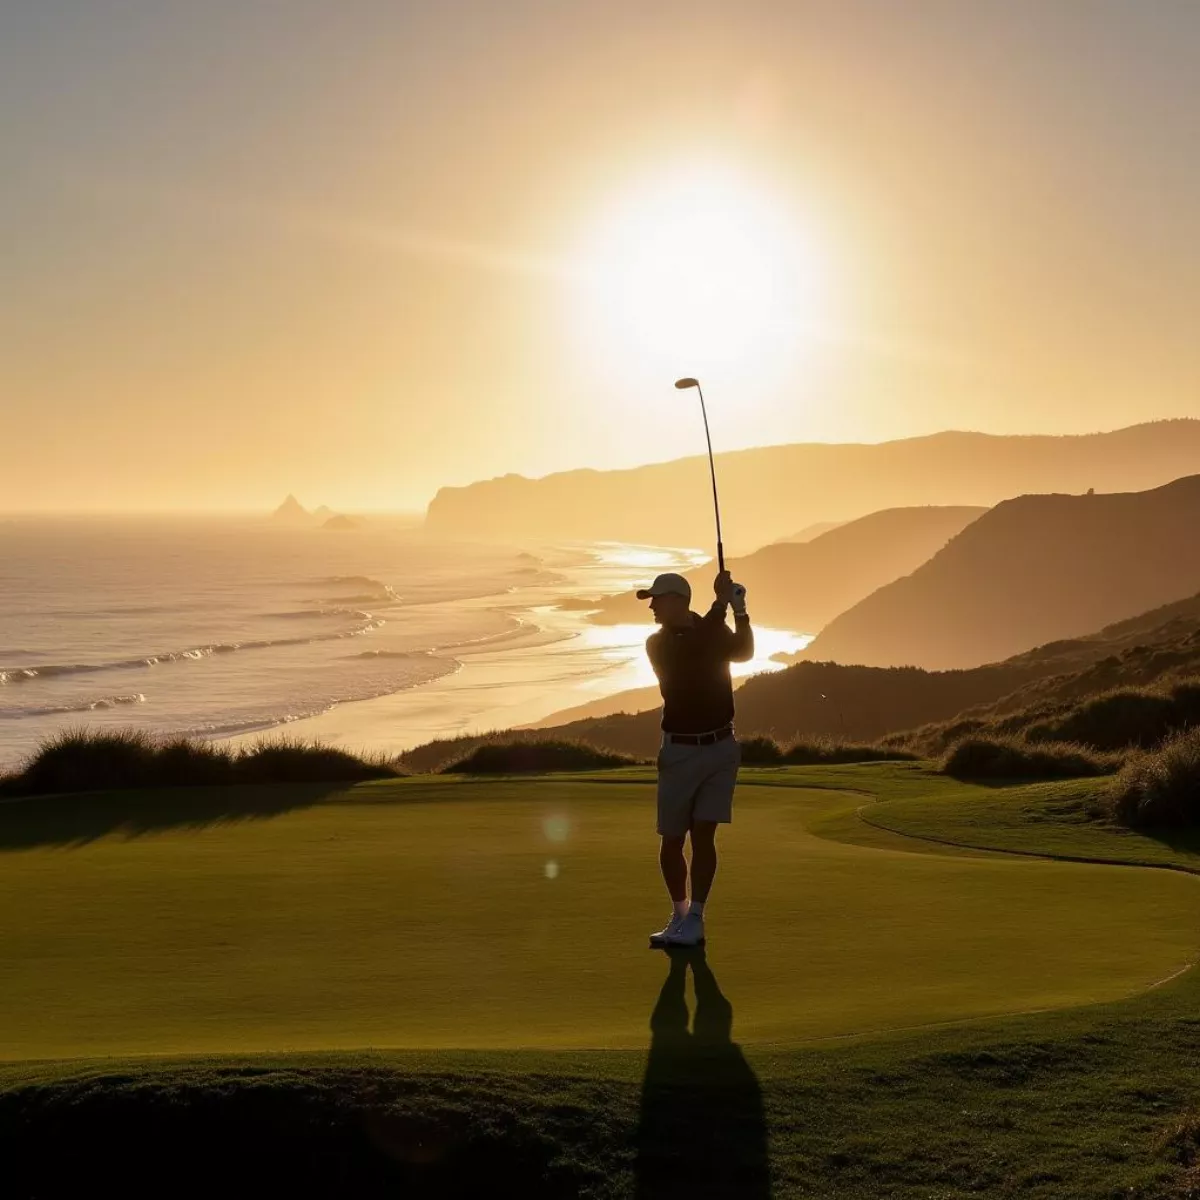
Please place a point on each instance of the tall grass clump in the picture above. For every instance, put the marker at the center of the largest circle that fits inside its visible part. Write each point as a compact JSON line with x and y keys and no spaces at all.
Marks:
{"x":812,"y":751}
{"x":1124,"y":717}
{"x":999,"y":757}
{"x":761,"y":751}
{"x":282,"y":760}
{"x":81,"y":760}
{"x":1160,"y":788}
{"x":503,"y":758}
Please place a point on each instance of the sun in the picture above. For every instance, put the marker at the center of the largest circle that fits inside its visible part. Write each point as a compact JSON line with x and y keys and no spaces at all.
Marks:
{"x":698,"y":271}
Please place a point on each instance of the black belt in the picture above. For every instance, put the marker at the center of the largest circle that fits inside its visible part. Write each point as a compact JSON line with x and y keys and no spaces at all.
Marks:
{"x":700,"y":739}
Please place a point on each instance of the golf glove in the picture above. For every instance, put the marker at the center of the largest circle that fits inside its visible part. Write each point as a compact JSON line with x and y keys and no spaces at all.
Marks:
{"x":739,"y":599}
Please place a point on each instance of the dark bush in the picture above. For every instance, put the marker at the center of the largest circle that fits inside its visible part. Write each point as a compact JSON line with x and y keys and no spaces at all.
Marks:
{"x":181,"y":762}
{"x":548,"y":755}
{"x":91,"y":761}
{"x":284,"y":761}
{"x":76,"y":760}
{"x":760,"y":751}
{"x":1120,"y":719}
{"x":1117,"y":719}
{"x":1160,"y":787}
{"x":979,"y":757}
{"x":828,"y":750}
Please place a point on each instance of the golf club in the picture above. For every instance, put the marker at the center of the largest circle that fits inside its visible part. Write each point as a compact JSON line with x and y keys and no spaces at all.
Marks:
{"x":695,"y":383}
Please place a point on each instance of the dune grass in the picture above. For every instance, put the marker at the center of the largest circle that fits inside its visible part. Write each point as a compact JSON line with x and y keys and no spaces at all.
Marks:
{"x":543,"y":754}
{"x":90,"y":760}
{"x":1005,"y":756}
{"x":1160,"y":789}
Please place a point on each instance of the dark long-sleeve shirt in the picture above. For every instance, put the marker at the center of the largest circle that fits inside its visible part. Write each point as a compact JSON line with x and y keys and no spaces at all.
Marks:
{"x":692,"y":665}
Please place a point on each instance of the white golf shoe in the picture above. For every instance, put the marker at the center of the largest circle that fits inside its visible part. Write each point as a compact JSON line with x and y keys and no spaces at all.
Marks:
{"x":689,"y":933}
{"x":659,"y":940}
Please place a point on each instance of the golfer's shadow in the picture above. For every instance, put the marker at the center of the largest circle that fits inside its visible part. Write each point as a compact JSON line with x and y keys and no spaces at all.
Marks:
{"x":702,"y":1131}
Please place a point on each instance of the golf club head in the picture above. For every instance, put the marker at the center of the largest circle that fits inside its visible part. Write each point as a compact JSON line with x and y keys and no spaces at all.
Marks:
{"x":687,"y":383}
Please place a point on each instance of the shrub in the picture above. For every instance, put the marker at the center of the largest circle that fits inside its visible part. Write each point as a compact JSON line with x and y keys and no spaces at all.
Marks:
{"x":80,"y":760}
{"x":761,"y":751}
{"x":1122,"y":718}
{"x":981,"y":757}
{"x":77,"y":760}
{"x":286,"y":761}
{"x":181,"y":762}
{"x":544,"y":755}
{"x":1160,"y":787}
{"x":828,"y":750}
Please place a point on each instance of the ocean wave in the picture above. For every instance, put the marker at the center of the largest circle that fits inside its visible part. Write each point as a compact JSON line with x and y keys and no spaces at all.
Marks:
{"x":520,"y":629}
{"x":15,"y":675}
{"x":372,"y":598}
{"x":370,"y":591}
{"x":309,"y":613}
{"x":277,"y":720}
{"x":251,"y":725}
{"x":54,"y":710}
{"x":396,"y":654}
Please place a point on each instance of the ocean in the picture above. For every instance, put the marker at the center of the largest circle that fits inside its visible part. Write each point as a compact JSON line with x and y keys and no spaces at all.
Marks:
{"x":376,"y":637}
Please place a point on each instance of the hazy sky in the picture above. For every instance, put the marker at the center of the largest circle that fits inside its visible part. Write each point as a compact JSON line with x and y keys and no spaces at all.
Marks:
{"x":360,"y":250}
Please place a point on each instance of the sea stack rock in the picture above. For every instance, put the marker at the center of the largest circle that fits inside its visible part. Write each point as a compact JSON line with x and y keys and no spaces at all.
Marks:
{"x":292,"y":512}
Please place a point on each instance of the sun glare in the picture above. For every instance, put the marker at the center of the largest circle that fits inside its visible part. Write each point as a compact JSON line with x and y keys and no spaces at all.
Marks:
{"x":698,"y":271}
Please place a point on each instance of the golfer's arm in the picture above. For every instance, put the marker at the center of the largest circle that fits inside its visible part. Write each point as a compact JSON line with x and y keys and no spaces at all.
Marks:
{"x":739,"y":645}
{"x":651,"y":648}
{"x":741,"y":640}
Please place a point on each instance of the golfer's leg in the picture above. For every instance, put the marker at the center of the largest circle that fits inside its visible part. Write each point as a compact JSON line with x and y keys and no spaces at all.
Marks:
{"x":676,"y":787}
{"x":704,"y":859}
{"x":713,"y":806}
{"x":674,"y":867}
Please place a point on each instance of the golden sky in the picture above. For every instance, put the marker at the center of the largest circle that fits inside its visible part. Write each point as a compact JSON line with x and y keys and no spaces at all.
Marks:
{"x":359,"y":251}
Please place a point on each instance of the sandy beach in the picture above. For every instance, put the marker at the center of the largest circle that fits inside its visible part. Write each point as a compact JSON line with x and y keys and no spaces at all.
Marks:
{"x":559,"y":661}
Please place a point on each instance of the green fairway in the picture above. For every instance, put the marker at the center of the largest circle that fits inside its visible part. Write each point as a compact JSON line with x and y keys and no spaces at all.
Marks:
{"x":504,"y":914}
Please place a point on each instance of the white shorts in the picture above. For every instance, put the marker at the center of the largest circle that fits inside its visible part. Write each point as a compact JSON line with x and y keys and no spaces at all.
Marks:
{"x":695,"y":783}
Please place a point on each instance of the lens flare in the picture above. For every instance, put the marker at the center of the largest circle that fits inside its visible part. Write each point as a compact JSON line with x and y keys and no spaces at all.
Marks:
{"x":557,"y":827}
{"x":552,"y":870}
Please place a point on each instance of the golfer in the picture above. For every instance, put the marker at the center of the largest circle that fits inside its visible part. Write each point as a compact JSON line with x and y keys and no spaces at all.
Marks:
{"x":699,"y":757}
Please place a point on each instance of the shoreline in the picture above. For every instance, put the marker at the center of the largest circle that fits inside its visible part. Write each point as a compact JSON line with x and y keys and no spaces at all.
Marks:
{"x":564,"y":662}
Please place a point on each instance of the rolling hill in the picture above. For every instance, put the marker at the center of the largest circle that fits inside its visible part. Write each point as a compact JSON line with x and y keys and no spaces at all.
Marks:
{"x":1033,"y":569}
{"x":769,"y":492}
{"x":803,"y":586}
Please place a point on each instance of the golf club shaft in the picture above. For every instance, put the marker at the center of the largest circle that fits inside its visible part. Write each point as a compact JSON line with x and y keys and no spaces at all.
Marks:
{"x":713,"y":472}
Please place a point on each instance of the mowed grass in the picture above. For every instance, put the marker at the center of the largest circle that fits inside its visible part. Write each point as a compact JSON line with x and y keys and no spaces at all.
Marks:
{"x":507,"y":914}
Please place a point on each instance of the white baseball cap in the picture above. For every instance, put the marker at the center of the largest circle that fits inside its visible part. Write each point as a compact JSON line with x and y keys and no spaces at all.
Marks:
{"x":668,"y":584}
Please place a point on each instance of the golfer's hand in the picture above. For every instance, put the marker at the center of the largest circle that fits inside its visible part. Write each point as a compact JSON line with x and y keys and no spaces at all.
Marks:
{"x":723,"y":587}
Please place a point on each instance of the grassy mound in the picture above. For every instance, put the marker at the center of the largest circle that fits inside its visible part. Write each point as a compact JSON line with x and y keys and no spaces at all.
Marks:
{"x":302,"y":1131}
{"x":831,"y":750}
{"x":1116,"y":719}
{"x":762,"y":751}
{"x":992,"y":757}
{"x":1124,"y":717}
{"x":79,"y":760}
{"x":502,"y":758}
{"x":1160,"y":788}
